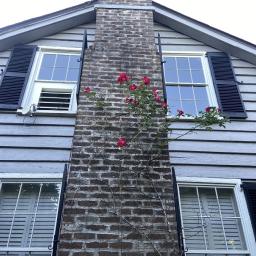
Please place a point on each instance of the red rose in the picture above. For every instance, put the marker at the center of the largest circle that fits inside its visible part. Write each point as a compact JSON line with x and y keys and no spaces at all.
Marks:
{"x":208,"y":109}
{"x":155,"y":91}
{"x":122,"y":78}
{"x":121,"y":142}
{"x":180,"y":112}
{"x":132,"y":87}
{"x":158,"y":98}
{"x":128,"y":100}
{"x":135,"y":102}
{"x":164,"y":104}
{"x":146,"y":80}
{"x":87,"y":90}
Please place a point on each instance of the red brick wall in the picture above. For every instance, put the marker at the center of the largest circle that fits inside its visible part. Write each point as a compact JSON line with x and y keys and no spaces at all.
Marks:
{"x":110,"y":201}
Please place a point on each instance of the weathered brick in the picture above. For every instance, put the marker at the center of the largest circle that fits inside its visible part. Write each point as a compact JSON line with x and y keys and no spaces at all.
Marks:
{"x":110,"y":197}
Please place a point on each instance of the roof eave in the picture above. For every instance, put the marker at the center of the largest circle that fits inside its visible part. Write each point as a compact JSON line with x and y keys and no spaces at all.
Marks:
{"x":204,"y":33}
{"x":46,"y":27}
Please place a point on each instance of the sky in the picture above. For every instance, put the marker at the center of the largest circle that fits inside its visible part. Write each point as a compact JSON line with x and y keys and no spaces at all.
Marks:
{"x":233,"y":16}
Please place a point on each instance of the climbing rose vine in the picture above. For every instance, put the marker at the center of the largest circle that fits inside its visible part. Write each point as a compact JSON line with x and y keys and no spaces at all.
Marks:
{"x":146,"y":102}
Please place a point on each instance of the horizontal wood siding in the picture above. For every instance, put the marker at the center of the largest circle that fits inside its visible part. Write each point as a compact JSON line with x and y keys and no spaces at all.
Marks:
{"x":227,"y":153}
{"x":39,"y":144}
{"x":69,"y":38}
{"x":35,"y":144}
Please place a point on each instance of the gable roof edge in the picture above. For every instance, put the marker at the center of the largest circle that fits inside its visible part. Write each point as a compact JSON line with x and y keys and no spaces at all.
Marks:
{"x":202,"y":32}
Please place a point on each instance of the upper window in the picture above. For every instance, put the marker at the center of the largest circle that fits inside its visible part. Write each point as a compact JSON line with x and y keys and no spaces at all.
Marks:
{"x":53,"y":82}
{"x":187,"y":84}
{"x":211,"y":221}
{"x":28,"y":212}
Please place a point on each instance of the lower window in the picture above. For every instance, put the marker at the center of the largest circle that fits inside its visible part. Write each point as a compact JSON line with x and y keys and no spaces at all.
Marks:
{"x":28,"y":212}
{"x":211,"y":222}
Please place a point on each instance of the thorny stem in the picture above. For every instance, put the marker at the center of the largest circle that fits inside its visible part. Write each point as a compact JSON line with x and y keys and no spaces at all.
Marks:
{"x":139,"y":232}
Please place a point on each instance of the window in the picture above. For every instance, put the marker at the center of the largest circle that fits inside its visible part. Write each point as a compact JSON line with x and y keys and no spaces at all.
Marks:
{"x":53,"y":82}
{"x":187,"y":84}
{"x":211,"y":220}
{"x":28,"y":212}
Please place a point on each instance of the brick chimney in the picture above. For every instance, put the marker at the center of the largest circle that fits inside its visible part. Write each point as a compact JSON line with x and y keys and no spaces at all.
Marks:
{"x":108,"y":210}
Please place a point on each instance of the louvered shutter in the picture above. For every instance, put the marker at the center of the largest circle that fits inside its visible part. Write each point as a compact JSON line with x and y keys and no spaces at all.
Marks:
{"x":226,"y":87}
{"x":250,"y":194}
{"x":15,"y":78}
{"x":85,"y":46}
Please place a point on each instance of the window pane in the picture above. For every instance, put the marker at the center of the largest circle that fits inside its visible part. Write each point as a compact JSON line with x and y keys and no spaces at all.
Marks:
{"x":184,"y":76}
{"x":209,"y":202}
{"x":189,"y":202}
{"x":215,"y":235}
{"x":198,"y":76}
{"x":173,"y":106}
{"x":59,"y":74}
{"x":186,"y":93}
{"x":182,"y":63}
{"x":43,"y":230}
{"x":170,"y":70}
{"x":74,"y":61}
{"x":28,"y":198}
{"x":194,"y":233}
{"x":8,"y":201}
{"x":48,"y":60}
{"x":173,"y":92}
{"x":49,"y":198}
{"x":45,"y":73}
{"x":200,"y":93}
{"x":18,"y":234}
{"x":72,"y":74}
{"x":234,"y":234}
{"x":227,"y":203}
{"x":195,"y":63}
{"x":202,"y":105}
{"x":188,"y":107}
{"x":62,"y":61}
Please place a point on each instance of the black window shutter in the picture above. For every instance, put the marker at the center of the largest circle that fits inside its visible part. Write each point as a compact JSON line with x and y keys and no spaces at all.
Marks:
{"x":59,"y":216}
{"x":16,"y":75}
{"x":177,"y":208}
{"x":250,"y":195}
{"x":225,"y":84}
{"x":84,"y":47}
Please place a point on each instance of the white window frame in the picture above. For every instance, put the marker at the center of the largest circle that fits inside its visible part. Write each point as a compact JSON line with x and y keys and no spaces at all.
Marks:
{"x":242,"y":208}
{"x":207,"y":73}
{"x":31,"y":178}
{"x":34,"y":86}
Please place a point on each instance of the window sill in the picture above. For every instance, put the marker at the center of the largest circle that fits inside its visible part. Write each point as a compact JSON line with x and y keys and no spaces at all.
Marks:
{"x":45,"y":113}
{"x":181,"y":119}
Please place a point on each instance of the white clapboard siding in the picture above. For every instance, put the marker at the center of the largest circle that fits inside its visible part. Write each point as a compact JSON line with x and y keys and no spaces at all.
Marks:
{"x":211,"y":154}
{"x":245,"y":88}
{"x":40,"y":144}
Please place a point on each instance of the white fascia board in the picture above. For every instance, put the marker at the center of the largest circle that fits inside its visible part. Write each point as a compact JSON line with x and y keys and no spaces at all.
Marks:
{"x":47,"y":22}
